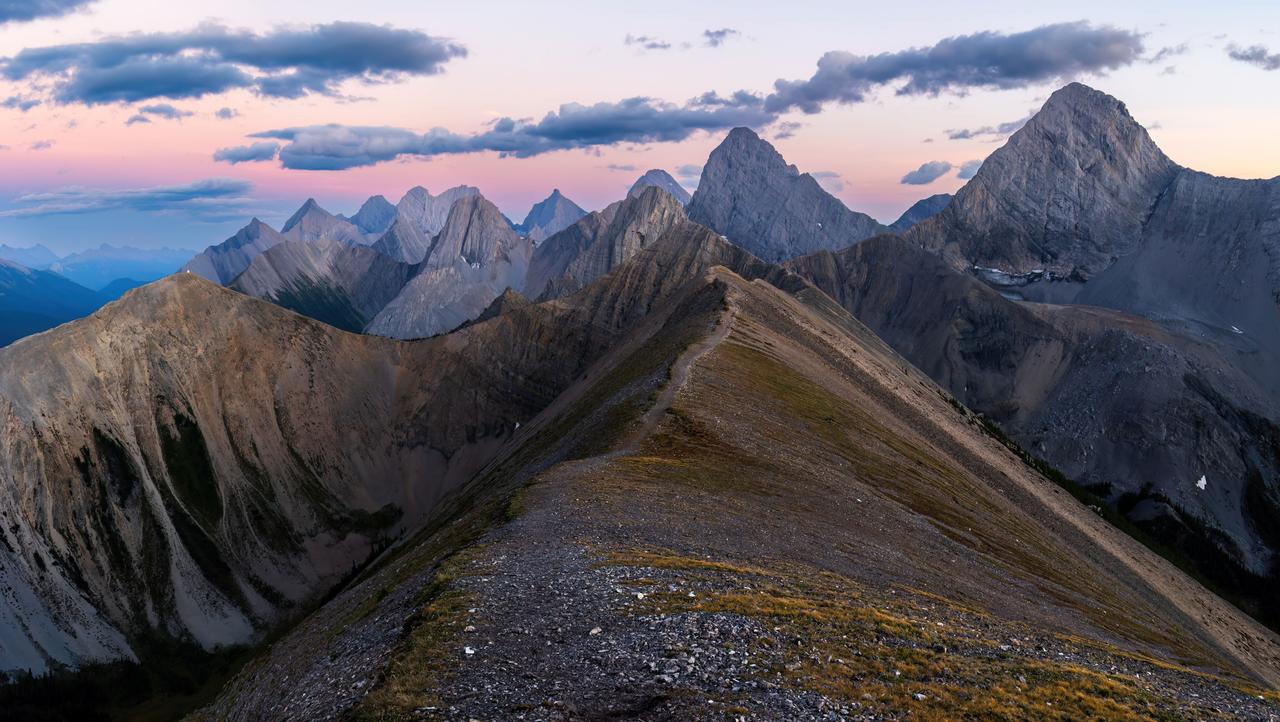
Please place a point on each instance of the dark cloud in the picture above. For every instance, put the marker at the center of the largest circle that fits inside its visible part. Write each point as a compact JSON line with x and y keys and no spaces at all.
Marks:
{"x":226,"y":113}
{"x":253,"y":153}
{"x":136,"y":119}
{"x":159,"y":110}
{"x":1167,"y":52}
{"x":786,"y":129}
{"x":927,"y":173}
{"x":285,"y":63}
{"x":716,"y":38}
{"x":1255,"y":55}
{"x":572,"y":127}
{"x":831,"y":180}
{"x":969,"y":169}
{"x":646,"y":42}
{"x":19,"y":102}
{"x":991,"y":132}
{"x":41,"y":145}
{"x":212,"y":199}
{"x":958,"y":64}
{"x":23,"y":10}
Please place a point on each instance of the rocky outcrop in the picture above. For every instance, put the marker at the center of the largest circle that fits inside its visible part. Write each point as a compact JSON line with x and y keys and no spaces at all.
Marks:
{"x":600,"y":242}
{"x":922,"y":209}
{"x":750,"y":195}
{"x":223,"y":262}
{"x":661,"y":179}
{"x":549,"y":216}
{"x":341,"y":285}
{"x":404,"y":241}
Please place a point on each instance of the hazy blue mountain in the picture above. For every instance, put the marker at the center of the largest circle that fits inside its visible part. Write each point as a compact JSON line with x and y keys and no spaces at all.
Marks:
{"x":96,"y":267}
{"x":32,"y":301}
{"x":36,"y":256}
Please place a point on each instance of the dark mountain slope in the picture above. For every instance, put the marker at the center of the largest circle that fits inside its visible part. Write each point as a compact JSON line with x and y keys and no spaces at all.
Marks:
{"x":922,"y":209}
{"x":549,"y":216}
{"x":32,"y":301}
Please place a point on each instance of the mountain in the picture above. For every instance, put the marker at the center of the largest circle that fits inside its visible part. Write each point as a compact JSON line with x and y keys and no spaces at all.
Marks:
{"x":475,"y":257}
{"x":600,"y":242}
{"x":35,"y":257}
{"x":662,"y":179}
{"x":32,"y":301}
{"x":748,"y":476}
{"x":430,"y":212}
{"x":221,"y":263}
{"x":96,"y":267}
{"x":313,"y":223}
{"x":919,"y":211}
{"x":404,"y":241}
{"x":118,"y":288}
{"x":375,"y":216}
{"x":341,"y":285}
{"x":549,"y":216}
{"x":750,"y":195}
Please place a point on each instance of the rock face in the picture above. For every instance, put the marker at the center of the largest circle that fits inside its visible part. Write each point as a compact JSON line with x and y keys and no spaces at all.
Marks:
{"x":223,"y":262}
{"x":1068,"y":194}
{"x":750,"y":195}
{"x":662,"y":179}
{"x":32,"y":301}
{"x":474,"y":258}
{"x":429,"y":212}
{"x":549,"y":216}
{"x":341,"y":285}
{"x":375,"y":216}
{"x":404,"y":241}
{"x":313,"y":223}
{"x":600,"y":242}
{"x":919,"y":211}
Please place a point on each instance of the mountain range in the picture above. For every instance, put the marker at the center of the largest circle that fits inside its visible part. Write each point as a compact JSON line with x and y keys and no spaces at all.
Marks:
{"x":750,"y":454}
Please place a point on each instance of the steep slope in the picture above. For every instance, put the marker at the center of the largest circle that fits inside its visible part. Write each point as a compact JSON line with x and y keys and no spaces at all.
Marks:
{"x":32,"y":301}
{"x":920,"y":210}
{"x":750,"y":195}
{"x":662,"y":179}
{"x":751,"y":504}
{"x":1175,"y":409}
{"x":549,"y":216}
{"x":600,"y":242}
{"x":474,"y":258}
{"x":430,"y":212}
{"x":341,"y":285}
{"x":221,"y":263}
{"x":375,"y":215}
{"x":313,"y":223}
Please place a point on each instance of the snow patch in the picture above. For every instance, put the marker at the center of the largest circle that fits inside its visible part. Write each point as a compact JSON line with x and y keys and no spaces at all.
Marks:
{"x":1202,"y":483}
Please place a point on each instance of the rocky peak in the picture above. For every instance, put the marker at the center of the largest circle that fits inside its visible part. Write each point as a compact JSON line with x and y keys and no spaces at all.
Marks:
{"x":375,"y":216}
{"x":429,"y":212}
{"x":474,"y":232}
{"x":920,"y":210}
{"x":751,"y":195}
{"x":661,"y":179}
{"x":550,"y":216}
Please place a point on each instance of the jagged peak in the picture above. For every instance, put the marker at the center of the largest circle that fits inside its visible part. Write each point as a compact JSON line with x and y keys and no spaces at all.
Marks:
{"x":308,"y":208}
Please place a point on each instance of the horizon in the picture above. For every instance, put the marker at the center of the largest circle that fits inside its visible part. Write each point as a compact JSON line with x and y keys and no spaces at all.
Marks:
{"x":104,"y":147}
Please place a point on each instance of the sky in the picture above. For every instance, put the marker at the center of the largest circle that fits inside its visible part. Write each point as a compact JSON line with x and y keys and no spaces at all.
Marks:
{"x":137,"y":123}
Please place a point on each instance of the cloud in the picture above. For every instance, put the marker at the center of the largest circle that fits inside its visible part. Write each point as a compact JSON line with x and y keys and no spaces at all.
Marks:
{"x":211,"y":59}
{"x":995,"y":132}
{"x":573,"y":126}
{"x":786,"y":129}
{"x":927,"y":173}
{"x":622,"y":168}
{"x":210,"y":200}
{"x":136,"y":119}
{"x":24,"y":10}
{"x":646,"y":42}
{"x":227,"y":113}
{"x":19,"y":102}
{"x":1166,"y":52}
{"x":969,"y":169}
{"x":166,"y":111}
{"x":957,"y":64}
{"x":253,"y":153}
{"x":830,"y":180}
{"x":716,"y":38}
{"x":1255,"y":55}
{"x":689,"y":174}
{"x":41,"y":145}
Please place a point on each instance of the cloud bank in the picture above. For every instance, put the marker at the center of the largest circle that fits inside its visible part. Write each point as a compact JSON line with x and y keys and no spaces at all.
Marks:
{"x":212,"y":59}
{"x":1255,"y":55}
{"x":24,"y":10}
{"x":211,"y":199}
